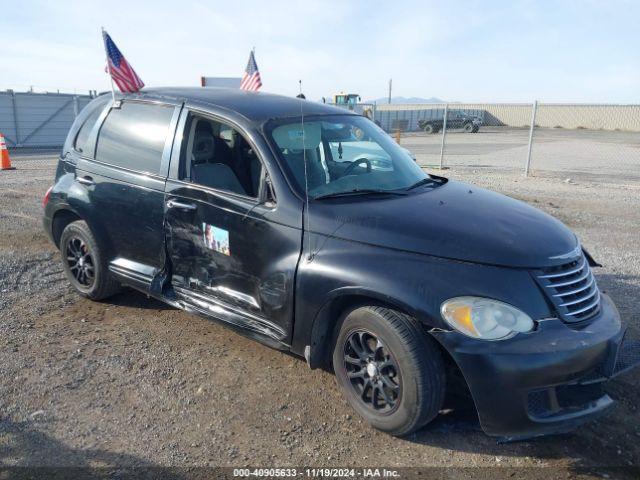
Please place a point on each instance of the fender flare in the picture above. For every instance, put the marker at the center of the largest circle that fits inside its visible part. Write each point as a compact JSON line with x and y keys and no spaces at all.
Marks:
{"x":320,"y":339}
{"x":100,"y":232}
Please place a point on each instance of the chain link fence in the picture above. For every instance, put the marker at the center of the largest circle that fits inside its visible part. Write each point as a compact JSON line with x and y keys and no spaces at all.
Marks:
{"x":587,"y":139}
{"x":533,"y":137}
{"x":528,"y":137}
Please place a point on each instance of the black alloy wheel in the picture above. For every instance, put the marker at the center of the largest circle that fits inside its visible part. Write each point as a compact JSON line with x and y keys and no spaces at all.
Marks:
{"x":390,"y":371}
{"x":372,"y":371}
{"x":80,"y":261}
{"x":85,"y":262}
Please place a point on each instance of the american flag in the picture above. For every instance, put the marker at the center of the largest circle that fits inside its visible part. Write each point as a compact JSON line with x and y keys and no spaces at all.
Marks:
{"x":121,"y":72}
{"x":251,"y":78}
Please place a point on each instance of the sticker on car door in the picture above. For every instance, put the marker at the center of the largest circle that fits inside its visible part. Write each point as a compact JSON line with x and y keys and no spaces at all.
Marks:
{"x":216,"y":239}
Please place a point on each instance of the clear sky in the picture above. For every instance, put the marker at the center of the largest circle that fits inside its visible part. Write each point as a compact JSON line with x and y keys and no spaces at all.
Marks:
{"x":484,"y":51}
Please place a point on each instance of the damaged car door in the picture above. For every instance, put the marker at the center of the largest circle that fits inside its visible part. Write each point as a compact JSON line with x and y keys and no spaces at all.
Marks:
{"x":231,"y":258}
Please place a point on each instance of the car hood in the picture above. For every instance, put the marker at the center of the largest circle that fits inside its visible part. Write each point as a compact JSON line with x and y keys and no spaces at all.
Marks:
{"x":456,"y":220}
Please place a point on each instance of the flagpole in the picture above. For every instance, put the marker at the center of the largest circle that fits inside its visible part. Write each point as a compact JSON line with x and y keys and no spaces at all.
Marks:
{"x":106,"y":52}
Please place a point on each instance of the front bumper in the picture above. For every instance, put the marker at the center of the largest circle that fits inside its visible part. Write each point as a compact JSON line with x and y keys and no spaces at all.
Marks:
{"x":546,"y":381}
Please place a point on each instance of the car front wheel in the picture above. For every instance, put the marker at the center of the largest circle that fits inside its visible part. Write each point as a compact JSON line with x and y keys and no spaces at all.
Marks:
{"x":390,"y":371}
{"x":429,"y":128}
{"x":85,"y":264}
{"x":468,"y":127}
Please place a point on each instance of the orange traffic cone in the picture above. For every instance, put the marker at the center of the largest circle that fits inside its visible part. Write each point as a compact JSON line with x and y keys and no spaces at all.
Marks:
{"x":5,"y":163}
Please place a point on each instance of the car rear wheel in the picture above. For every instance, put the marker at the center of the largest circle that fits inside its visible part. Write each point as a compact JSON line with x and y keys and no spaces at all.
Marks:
{"x":468,"y":127}
{"x":84,"y":263}
{"x":429,"y":128}
{"x":390,"y":371}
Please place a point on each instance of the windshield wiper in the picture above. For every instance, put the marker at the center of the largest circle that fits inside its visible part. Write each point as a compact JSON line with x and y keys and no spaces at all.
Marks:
{"x":424,"y":181}
{"x":360,"y":191}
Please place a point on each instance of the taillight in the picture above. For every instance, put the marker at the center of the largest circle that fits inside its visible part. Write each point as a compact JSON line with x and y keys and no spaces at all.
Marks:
{"x":45,"y":200}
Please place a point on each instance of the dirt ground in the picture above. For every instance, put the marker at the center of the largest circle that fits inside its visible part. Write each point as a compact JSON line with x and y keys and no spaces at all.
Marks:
{"x":133,"y":382}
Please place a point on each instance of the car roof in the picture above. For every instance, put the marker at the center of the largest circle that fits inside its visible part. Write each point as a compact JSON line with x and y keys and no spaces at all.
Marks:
{"x":255,"y":106}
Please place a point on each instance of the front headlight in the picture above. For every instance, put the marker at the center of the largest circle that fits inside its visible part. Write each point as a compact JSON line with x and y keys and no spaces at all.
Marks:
{"x":483,"y":318}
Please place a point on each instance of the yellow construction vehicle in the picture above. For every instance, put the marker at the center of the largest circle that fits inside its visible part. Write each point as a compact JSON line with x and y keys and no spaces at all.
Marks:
{"x":347,"y":100}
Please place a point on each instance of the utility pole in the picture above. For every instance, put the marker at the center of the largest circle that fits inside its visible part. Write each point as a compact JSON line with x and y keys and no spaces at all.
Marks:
{"x":390,"y":82}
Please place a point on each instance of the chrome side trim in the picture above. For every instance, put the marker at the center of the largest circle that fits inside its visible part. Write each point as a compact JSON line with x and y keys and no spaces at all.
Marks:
{"x":229,"y":314}
{"x":132,"y":270}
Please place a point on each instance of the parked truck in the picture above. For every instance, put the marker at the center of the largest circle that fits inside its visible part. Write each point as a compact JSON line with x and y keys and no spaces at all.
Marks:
{"x":456,"y":119}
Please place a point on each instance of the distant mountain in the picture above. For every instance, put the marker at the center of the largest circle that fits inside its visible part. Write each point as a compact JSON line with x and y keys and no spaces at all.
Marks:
{"x":406,"y":100}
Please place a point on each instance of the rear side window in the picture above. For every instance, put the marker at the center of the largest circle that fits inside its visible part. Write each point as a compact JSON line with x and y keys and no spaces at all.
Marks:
{"x":82,"y":138}
{"x":133,"y":136}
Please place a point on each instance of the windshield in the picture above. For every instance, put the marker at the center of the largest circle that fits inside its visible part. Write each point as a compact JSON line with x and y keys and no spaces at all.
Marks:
{"x":343,"y":153}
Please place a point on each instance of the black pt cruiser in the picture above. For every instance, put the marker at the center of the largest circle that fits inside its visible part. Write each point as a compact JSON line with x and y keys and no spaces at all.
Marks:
{"x":309,"y":229}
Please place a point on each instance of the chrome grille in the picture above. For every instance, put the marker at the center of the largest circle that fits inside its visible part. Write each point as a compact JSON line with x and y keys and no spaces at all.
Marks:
{"x":572,"y":289}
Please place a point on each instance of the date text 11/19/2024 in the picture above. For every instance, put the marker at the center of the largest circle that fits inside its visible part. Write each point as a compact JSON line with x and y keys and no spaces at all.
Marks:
{"x":317,"y":472}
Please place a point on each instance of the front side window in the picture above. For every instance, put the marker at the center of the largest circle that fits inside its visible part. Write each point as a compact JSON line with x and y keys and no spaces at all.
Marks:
{"x":216,"y":155}
{"x":341,"y":154}
{"x":133,"y":136}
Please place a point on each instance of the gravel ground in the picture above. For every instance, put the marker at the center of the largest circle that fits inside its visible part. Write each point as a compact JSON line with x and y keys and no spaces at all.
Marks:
{"x":133,"y":382}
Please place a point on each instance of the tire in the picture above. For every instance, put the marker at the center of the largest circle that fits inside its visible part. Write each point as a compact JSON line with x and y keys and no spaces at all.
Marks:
{"x":403,"y":357}
{"x":429,"y":128}
{"x":468,"y":127}
{"x":475,"y":129}
{"x":85,"y":264}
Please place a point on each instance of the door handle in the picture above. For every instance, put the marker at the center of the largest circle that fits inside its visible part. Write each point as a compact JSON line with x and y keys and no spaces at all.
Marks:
{"x":86,"y":180}
{"x":182,"y":206}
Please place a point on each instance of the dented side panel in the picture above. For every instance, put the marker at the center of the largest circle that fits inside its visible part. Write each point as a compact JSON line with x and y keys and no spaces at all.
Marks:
{"x":234,"y":258}
{"x":229,"y":254}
